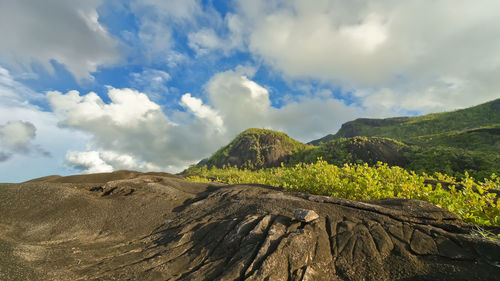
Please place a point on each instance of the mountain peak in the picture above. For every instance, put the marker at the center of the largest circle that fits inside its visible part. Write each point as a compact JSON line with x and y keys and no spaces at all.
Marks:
{"x":256,"y":148}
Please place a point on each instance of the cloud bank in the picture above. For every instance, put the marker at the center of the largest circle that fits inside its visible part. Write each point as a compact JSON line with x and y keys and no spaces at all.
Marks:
{"x":398,"y":56}
{"x":133,"y":132}
{"x":67,"y":32}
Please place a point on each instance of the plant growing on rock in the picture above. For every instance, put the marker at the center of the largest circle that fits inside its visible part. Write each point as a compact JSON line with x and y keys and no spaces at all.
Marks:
{"x":472,"y":201}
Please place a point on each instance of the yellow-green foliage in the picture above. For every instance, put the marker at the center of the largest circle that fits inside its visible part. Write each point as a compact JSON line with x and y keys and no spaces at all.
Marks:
{"x":361,"y":182}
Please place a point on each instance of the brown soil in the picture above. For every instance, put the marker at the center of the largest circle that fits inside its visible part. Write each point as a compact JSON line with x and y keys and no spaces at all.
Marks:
{"x":133,"y":226}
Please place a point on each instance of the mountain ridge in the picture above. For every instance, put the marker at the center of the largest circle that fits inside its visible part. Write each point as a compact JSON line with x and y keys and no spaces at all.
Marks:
{"x":409,"y":128}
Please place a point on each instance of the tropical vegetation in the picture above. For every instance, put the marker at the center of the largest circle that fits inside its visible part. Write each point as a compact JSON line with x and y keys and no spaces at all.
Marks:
{"x":474,"y":201}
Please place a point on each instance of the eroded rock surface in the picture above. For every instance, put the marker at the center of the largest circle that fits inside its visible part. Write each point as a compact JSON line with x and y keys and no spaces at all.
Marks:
{"x":158,"y":227}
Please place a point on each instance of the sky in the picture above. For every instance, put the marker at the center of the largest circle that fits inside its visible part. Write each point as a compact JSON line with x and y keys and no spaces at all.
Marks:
{"x":157,"y":85}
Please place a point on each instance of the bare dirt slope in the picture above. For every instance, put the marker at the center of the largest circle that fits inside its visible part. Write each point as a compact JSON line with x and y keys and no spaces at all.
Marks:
{"x":133,"y":226}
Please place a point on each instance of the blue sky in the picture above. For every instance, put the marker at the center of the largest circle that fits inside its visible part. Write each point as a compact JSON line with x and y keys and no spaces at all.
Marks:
{"x":96,"y":86}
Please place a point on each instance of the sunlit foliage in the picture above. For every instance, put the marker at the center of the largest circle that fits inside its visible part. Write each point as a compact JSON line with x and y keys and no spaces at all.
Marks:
{"x":468,"y":198}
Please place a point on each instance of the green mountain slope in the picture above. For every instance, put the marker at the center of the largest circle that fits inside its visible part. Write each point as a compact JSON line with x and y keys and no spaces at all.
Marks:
{"x":475,"y":128}
{"x":256,"y":148}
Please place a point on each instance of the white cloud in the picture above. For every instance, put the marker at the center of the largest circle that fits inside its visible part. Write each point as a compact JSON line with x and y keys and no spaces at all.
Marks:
{"x":88,"y":162}
{"x":131,"y":124}
{"x":17,"y":135}
{"x":69,"y":32}
{"x":201,"y":111}
{"x":16,"y":138}
{"x":128,"y":108}
{"x":153,"y":82}
{"x":156,"y":39}
{"x":133,"y":132}
{"x":13,"y":93}
{"x":242,"y":103}
{"x":204,"y":40}
{"x":178,"y":10}
{"x":161,"y":22}
{"x":46,"y":149}
{"x":151,"y":76}
{"x":207,"y":40}
{"x":367,"y":35}
{"x":158,"y":21}
{"x":407,"y":48}
{"x":24,"y":152}
{"x":105,"y":161}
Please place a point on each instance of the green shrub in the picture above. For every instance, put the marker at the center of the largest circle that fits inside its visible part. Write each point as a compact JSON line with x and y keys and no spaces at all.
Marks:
{"x":473,"y":203}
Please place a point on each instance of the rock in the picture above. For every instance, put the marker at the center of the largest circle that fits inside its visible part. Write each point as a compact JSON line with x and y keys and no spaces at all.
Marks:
{"x":422,"y":244}
{"x":305,"y":215}
{"x":168,"y":229}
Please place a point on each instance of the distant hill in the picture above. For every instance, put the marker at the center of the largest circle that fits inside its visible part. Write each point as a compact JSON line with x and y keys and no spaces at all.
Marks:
{"x":475,"y":128}
{"x":98,"y":177}
{"x":256,"y":148}
{"x":356,"y":150}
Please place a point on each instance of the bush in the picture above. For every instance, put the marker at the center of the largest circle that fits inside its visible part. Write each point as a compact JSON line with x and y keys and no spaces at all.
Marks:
{"x":472,"y":202}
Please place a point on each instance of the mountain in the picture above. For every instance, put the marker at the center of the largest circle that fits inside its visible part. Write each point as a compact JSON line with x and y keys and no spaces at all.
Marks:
{"x":133,"y":226}
{"x":256,"y":148}
{"x":474,"y":128}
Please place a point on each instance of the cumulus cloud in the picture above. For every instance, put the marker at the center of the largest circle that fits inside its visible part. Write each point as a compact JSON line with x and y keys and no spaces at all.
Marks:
{"x":161,"y":23}
{"x":68,"y":32}
{"x":105,"y":161}
{"x":41,"y":155}
{"x":393,"y":55}
{"x":201,"y":111}
{"x":128,"y":108}
{"x":130,"y":124}
{"x":133,"y":132}
{"x":88,"y":162}
{"x":17,"y":135}
{"x":243,"y":103}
